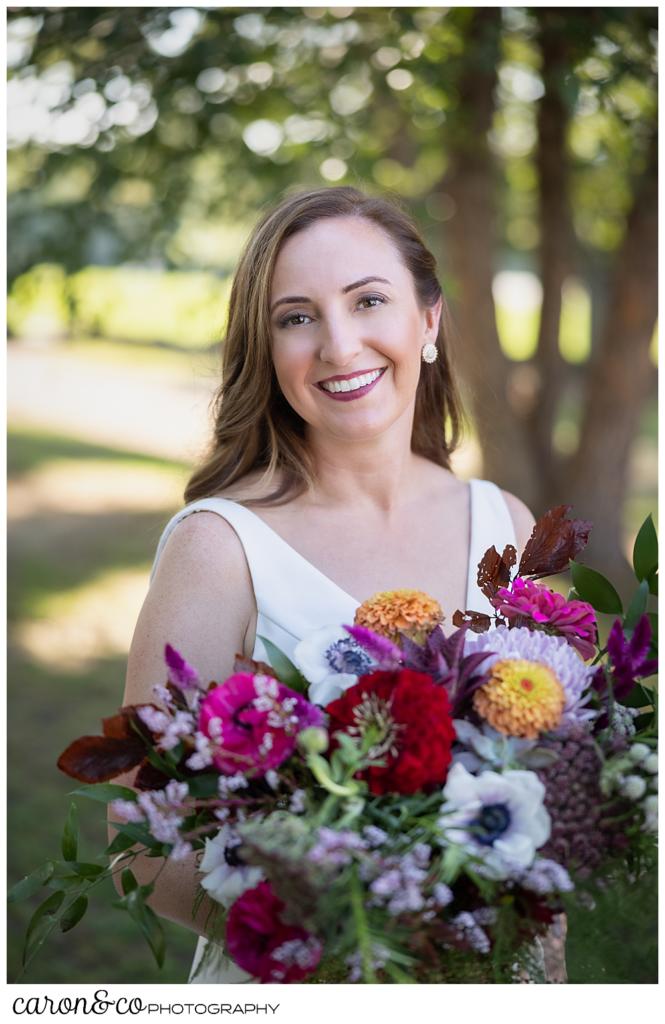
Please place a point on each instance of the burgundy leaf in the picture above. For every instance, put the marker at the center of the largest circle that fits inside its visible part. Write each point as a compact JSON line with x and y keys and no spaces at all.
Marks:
{"x":494,"y":569}
{"x":554,"y":541}
{"x":100,"y":758}
{"x":479,"y":622}
{"x":149,"y":777}
{"x":125,"y":724}
{"x":254,"y":668}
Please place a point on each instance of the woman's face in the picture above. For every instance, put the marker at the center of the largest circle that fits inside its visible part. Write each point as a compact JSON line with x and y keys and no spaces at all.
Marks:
{"x":347,"y":328}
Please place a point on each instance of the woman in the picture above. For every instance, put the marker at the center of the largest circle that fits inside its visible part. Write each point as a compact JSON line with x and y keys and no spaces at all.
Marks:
{"x":329,"y":475}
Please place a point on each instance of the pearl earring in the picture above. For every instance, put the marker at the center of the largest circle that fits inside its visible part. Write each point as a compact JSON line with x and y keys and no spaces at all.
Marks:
{"x":429,"y":353}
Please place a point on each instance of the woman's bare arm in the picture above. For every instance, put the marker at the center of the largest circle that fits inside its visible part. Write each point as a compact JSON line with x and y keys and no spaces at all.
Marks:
{"x":200,"y":601}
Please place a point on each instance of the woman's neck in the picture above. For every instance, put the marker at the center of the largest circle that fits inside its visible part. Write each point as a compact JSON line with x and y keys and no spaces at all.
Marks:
{"x":380,"y":476}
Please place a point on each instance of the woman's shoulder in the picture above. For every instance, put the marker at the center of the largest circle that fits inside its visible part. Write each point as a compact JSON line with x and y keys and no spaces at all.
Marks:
{"x":200,"y":545}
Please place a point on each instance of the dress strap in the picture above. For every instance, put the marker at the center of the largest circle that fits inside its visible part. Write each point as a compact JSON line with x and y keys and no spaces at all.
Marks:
{"x":490,"y":524}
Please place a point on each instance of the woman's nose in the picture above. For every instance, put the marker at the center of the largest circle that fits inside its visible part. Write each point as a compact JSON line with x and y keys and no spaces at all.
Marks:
{"x":340,"y":342}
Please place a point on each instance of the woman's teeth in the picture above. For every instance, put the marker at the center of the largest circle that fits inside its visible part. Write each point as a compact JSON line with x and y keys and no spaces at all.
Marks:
{"x":353,"y":384}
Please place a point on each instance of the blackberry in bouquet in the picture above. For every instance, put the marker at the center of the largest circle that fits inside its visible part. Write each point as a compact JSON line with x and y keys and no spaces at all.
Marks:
{"x":400,"y":802}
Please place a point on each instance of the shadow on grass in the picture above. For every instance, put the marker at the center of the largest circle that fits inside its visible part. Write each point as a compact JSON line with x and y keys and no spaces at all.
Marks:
{"x":51,"y":552}
{"x":28,"y":449}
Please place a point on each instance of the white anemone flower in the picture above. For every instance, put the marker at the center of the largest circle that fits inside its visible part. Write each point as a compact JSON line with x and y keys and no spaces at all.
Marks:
{"x":331,"y":661}
{"x":498,"y":818}
{"x":225,"y":878}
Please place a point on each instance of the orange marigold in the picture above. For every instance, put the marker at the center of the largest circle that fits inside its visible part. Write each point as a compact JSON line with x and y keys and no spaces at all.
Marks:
{"x":522,"y":698}
{"x":392,"y":612}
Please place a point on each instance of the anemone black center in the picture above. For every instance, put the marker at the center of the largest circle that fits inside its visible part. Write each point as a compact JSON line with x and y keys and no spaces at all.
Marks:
{"x":491,"y":823}
{"x":232,"y":856}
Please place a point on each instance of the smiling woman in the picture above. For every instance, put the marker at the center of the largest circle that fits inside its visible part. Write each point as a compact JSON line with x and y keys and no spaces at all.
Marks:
{"x":329,"y":478}
{"x":284,"y":304}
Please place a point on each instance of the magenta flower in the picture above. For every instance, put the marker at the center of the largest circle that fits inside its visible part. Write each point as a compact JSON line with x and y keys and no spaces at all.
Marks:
{"x":260,"y":942}
{"x":181,"y":672}
{"x":252,"y":722}
{"x":526,"y":603}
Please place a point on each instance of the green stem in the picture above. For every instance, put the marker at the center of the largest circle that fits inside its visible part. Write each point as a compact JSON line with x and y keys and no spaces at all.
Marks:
{"x":362,"y":931}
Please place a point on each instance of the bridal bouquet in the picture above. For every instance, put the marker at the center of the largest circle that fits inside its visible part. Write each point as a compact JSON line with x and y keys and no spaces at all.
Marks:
{"x":398,"y":803}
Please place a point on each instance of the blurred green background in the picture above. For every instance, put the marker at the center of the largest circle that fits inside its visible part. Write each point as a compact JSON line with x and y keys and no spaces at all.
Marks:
{"x":143,"y":144}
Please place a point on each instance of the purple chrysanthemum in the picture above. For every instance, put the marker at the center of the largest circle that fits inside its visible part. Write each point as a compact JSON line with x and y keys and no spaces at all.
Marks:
{"x":526,"y":603}
{"x":553,"y":651}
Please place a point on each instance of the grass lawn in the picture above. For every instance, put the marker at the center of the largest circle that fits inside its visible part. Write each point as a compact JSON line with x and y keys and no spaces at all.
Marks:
{"x":55,"y":555}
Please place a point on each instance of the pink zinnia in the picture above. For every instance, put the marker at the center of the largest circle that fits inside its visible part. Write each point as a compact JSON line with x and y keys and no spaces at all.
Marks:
{"x":526,"y":603}
{"x":261,"y":943}
{"x":252,"y":722}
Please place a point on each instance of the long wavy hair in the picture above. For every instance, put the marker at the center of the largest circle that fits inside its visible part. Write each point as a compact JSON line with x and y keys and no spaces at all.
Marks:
{"x":255,"y":428}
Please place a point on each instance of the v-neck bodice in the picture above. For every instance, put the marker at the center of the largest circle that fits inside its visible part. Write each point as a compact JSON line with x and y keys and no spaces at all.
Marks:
{"x":293,"y":597}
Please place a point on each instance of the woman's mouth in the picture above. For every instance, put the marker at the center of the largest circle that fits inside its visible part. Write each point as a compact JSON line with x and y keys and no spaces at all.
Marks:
{"x":347,"y":389}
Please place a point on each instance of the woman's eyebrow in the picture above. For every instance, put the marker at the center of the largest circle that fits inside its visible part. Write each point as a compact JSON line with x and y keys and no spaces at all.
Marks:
{"x":345,"y":289}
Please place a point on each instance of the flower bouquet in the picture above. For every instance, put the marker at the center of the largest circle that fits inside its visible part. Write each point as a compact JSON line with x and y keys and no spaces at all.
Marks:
{"x":397,"y":803}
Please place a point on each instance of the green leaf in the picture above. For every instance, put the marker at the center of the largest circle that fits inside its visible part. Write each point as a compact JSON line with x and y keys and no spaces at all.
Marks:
{"x":40,"y":925}
{"x":637,"y":606}
{"x":203,"y":785}
{"x":119,"y":844}
{"x":139,"y":834}
{"x":573,"y":595}
{"x":73,"y":914}
{"x":645,"y":550}
{"x":31,"y":883}
{"x":70,"y":835}
{"x":77,"y":869}
{"x":653,"y":582}
{"x":128,"y":880}
{"x":105,"y":792}
{"x":148,"y":923}
{"x":594,"y":588}
{"x":284,"y":667}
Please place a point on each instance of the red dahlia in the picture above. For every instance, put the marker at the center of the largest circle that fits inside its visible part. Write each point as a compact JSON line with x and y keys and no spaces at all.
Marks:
{"x":411,"y":717}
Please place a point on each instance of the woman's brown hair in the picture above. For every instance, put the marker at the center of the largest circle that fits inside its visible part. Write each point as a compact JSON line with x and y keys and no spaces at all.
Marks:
{"x":254,"y":426}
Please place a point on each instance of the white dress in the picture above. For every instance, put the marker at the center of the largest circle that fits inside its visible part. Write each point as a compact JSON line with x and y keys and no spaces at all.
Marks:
{"x":293,"y":598}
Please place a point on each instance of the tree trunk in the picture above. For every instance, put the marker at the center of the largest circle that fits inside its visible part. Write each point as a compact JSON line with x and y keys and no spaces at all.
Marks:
{"x":555,"y":246}
{"x":619,"y":380}
{"x":471,"y":182}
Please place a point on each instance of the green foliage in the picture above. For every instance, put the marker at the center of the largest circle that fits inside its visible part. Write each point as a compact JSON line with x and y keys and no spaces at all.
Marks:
{"x":593,"y":587}
{"x":617,"y":942}
{"x":284,"y":667}
{"x":172,"y":144}
{"x":645,"y":551}
{"x":185,"y":309}
{"x":70,"y":834}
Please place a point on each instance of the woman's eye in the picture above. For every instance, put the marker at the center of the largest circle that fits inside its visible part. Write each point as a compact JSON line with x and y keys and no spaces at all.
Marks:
{"x":293,"y":320}
{"x":369,"y":301}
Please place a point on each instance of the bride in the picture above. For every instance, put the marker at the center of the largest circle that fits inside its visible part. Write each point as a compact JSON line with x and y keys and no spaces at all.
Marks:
{"x":329,"y":476}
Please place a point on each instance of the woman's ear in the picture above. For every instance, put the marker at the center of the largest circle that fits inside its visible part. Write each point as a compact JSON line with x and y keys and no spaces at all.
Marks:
{"x":432,"y":318}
